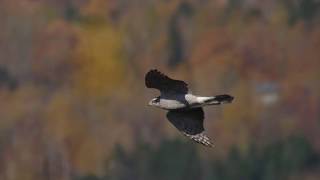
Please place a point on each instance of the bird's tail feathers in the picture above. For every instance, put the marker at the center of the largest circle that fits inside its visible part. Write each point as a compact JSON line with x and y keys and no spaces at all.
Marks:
{"x":220,"y":99}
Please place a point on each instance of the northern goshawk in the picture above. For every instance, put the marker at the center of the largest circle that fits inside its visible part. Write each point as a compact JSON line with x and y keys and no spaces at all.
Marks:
{"x":184,"y":109}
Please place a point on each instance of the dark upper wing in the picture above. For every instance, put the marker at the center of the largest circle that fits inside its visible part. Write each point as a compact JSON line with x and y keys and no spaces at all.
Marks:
{"x":157,"y":80}
{"x":190,"y":122}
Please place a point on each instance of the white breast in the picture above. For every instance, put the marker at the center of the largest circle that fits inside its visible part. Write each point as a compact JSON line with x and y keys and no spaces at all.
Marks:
{"x":170,"y":104}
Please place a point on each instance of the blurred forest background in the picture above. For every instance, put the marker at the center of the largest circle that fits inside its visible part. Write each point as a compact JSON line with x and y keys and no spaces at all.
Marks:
{"x":73,"y":105}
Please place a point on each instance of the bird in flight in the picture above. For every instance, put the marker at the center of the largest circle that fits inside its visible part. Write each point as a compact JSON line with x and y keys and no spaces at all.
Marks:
{"x":185,"y":110}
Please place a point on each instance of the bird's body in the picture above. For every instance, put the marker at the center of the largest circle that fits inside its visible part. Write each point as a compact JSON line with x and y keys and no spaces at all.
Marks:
{"x":180,"y":101}
{"x":185,"y":109}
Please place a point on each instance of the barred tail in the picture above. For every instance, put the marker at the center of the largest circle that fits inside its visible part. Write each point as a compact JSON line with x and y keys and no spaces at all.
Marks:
{"x":220,"y":99}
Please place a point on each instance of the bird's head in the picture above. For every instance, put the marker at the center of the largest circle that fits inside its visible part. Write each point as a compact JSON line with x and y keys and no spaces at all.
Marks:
{"x":155,"y":102}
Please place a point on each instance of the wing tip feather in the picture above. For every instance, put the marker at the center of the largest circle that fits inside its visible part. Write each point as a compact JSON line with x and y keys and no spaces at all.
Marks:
{"x":201,"y":139}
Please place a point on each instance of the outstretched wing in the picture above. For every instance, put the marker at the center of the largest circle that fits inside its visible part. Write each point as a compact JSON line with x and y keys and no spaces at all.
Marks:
{"x":190,"y":123}
{"x":156,"y":79}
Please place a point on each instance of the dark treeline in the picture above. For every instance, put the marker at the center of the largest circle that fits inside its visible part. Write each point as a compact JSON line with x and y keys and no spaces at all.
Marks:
{"x":174,"y":159}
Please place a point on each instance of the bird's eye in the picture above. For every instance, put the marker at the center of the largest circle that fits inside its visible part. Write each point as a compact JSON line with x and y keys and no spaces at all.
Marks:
{"x":157,"y":100}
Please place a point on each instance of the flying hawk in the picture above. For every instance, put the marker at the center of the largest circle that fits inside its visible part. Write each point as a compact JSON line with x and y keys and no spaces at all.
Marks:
{"x":184,"y":109}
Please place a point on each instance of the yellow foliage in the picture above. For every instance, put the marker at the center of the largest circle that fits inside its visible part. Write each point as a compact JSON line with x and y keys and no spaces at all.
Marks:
{"x":65,"y":126}
{"x":62,"y":122}
{"x":98,"y":57}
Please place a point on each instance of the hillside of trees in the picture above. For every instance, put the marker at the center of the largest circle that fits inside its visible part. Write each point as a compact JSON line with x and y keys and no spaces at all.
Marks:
{"x":73,"y":103}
